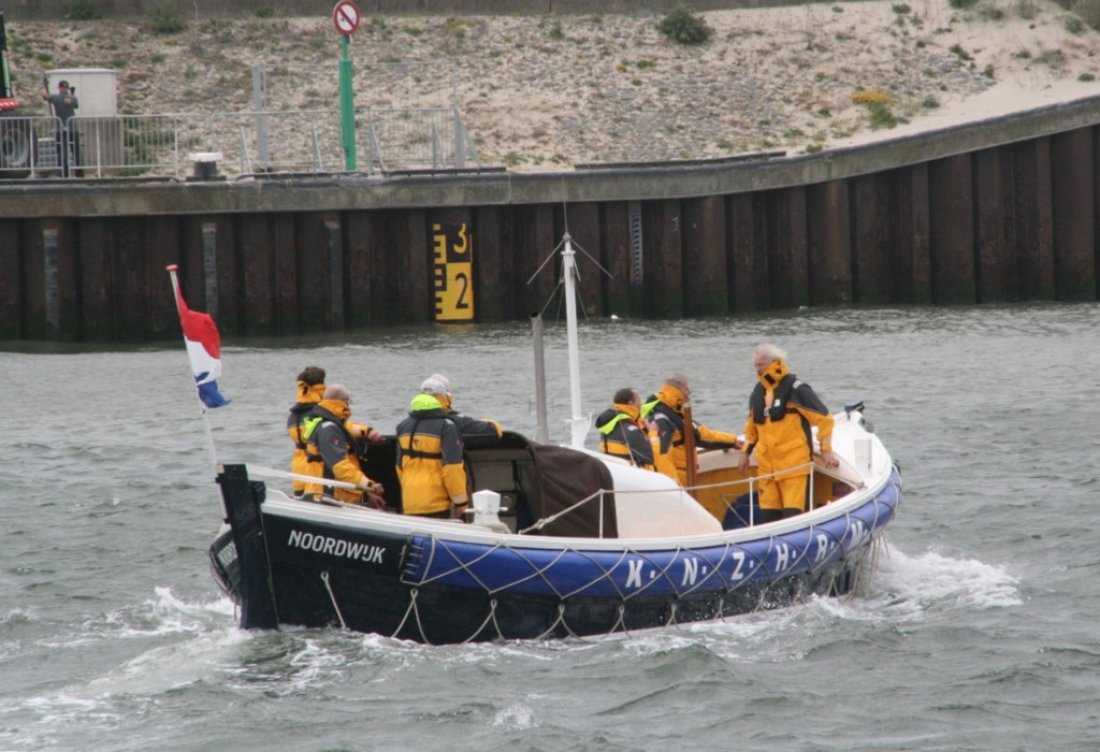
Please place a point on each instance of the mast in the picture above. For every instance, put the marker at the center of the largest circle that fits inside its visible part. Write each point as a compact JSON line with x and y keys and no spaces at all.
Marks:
{"x":578,"y":423}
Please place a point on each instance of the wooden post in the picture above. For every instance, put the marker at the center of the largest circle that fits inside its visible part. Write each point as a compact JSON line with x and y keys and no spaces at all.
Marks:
{"x":690,"y":454}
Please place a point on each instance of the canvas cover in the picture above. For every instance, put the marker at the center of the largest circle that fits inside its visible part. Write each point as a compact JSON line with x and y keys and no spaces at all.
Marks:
{"x":562,"y":477}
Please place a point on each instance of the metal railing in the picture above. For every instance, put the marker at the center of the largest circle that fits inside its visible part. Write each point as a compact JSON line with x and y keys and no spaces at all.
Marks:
{"x":129,"y":145}
{"x":37,"y":147}
{"x":262,"y":142}
{"x":434,"y":137}
{"x":248,"y":143}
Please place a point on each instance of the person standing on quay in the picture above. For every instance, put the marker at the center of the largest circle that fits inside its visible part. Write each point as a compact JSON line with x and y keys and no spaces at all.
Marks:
{"x":64,"y":105}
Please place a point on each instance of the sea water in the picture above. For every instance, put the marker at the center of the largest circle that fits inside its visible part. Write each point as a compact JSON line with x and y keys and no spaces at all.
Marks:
{"x":979,"y":631}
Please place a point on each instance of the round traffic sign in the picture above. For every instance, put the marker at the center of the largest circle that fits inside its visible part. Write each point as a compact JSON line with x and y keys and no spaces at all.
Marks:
{"x":345,"y":17}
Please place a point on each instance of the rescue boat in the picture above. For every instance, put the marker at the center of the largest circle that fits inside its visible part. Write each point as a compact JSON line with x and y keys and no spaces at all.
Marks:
{"x":563,"y":542}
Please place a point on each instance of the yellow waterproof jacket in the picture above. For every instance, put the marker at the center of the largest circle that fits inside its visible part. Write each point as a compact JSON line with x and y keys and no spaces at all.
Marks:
{"x":665,"y":409}
{"x":329,"y":438}
{"x":300,"y":462}
{"x":623,"y":434}
{"x":782,"y":410}
{"x":429,"y":458}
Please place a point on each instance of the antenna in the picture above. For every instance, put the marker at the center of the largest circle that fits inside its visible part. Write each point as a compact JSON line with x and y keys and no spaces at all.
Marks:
{"x":578,"y":423}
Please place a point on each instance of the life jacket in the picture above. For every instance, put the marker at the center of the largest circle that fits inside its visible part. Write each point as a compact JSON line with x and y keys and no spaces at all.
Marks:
{"x":781,"y":395}
{"x":671,"y":454}
{"x":780,"y":424}
{"x":621,"y":436}
{"x":318,"y":417}
{"x":322,"y":416}
{"x":663,"y":409}
{"x":297,"y":414}
{"x":668,"y":453}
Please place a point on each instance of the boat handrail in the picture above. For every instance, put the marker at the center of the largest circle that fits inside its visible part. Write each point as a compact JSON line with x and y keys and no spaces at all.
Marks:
{"x":260,"y":471}
{"x":750,"y":481}
{"x":539,"y":524}
{"x":269,"y":472}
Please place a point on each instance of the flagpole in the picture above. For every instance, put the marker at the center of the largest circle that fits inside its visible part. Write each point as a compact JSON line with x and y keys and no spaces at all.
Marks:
{"x":172,"y":268}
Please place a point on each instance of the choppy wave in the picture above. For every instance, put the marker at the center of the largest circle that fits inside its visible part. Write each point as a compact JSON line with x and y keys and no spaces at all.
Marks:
{"x":970,"y":636}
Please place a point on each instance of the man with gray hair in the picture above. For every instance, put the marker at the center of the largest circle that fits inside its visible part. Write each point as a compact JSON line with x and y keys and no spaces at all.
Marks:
{"x":666,"y":410}
{"x":782,"y":410}
{"x":429,"y":460}
{"x":475,"y":432}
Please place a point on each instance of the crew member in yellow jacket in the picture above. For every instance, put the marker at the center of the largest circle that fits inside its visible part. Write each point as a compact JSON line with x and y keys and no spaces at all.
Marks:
{"x":311,"y":386}
{"x":429,"y":456}
{"x":299,"y":424}
{"x":328,"y":437}
{"x":782,"y":410}
{"x":623,"y":433}
{"x":666,"y":411}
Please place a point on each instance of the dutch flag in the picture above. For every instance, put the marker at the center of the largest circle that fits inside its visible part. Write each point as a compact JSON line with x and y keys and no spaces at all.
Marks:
{"x":204,"y":348}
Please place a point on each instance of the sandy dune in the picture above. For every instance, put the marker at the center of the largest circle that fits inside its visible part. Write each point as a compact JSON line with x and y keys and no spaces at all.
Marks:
{"x":543,"y":93}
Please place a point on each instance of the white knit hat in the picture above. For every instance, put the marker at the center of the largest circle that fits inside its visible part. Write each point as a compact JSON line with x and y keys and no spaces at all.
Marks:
{"x":437,"y":383}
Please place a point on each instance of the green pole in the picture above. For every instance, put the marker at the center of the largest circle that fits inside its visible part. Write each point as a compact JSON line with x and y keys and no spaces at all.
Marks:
{"x":347,"y":106}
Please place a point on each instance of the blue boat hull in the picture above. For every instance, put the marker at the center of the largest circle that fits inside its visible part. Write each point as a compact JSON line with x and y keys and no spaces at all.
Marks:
{"x":288,"y":569}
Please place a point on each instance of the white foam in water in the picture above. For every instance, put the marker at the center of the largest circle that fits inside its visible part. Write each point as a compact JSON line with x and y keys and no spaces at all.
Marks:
{"x":176,"y":615}
{"x":515,"y":717}
{"x":934,"y":581}
{"x":57,"y":711}
{"x":95,"y":703}
{"x":17,"y":615}
{"x":157,"y":670}
{"x":315,"y":664}
{"x":210,"y":636}
{"x":902,"y":588}
{"x":165,"y":614}
{"x":746,"y":637}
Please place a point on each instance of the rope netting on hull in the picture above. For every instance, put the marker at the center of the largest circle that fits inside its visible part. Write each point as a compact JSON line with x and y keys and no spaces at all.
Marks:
{"x":447,"y":584}
{"x":735,"y":581}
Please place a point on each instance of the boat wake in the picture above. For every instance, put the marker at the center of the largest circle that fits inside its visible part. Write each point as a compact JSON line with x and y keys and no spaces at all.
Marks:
{"x":904,"y":590}
{"x":934,"y":582}
{"x":163,"y":614}
{"x":135,"y":655}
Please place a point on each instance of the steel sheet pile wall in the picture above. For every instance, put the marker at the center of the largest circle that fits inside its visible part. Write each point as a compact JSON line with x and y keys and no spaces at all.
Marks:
{"x":1015,"y":222}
